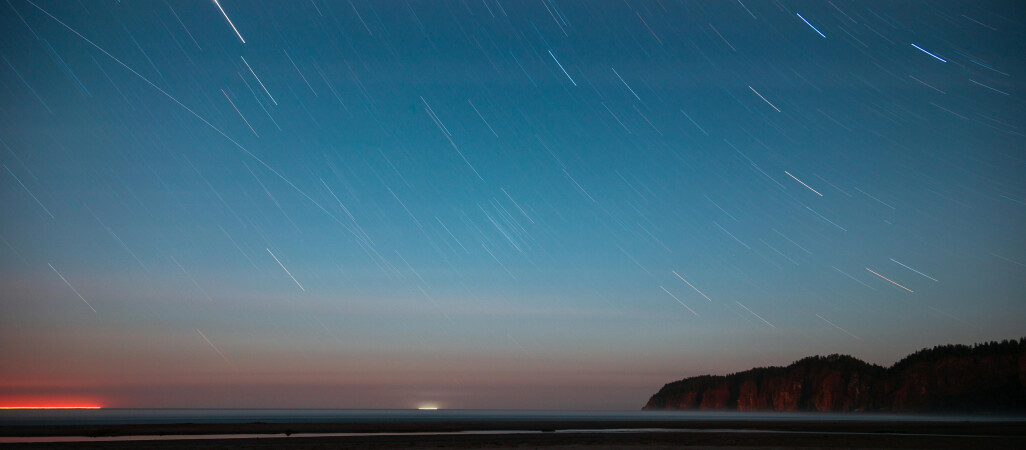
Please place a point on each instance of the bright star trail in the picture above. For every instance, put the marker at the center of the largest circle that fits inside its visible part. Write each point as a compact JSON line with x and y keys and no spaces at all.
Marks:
{"x":803,"y":183}
{"x":561,"y":68}
{"x":811,"y":26}
{"x":889,"y":280}
{"x":678,"y":301}
{"x":764,"y":99}
{"x":692,"y":286}
{"x":928,"y":53}
{"x":496,"y":204}
{"x":236,"y":30}
{"x":286,"y":270}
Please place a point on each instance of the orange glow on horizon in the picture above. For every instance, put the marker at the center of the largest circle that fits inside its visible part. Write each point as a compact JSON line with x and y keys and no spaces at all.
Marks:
{"x":50,"y":407}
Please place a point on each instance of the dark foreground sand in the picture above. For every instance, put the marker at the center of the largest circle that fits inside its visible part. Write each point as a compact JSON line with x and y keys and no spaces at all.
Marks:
{"x":718,"y":434}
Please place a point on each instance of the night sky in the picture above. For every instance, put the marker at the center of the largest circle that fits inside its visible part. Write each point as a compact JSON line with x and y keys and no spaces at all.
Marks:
{"x":497,"y":203}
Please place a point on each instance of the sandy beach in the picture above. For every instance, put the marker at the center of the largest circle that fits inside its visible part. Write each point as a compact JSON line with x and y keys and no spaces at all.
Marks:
{"x":721,"y":434}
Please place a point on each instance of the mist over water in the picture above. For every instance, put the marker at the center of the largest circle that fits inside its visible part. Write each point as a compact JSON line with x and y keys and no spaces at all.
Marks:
{"x":199,"y":416}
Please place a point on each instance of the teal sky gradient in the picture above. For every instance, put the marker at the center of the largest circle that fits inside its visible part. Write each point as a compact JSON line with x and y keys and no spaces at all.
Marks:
{"x":497,"y":204}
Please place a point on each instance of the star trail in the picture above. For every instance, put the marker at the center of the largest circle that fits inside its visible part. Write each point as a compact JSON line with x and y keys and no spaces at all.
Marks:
{"x":496,"y":203}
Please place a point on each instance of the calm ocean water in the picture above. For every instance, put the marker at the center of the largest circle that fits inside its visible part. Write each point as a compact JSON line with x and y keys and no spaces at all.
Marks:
{"x":165,"y":416}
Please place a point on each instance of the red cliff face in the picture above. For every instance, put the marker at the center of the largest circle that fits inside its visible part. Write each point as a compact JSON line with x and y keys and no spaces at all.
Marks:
{"x":779,"y":393}
{"x":984,"y":378}
{"x":785,"y":392}
{"x":828,"y":391}
{"x":748,"y":398}
{"x":689,"y":401}
{"x":715,"y":398}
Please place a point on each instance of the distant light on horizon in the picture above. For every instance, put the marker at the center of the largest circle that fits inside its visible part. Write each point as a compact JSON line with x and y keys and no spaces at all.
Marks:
{"x":50,"y":407}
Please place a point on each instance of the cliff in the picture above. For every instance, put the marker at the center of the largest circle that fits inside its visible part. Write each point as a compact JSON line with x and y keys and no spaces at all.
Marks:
{"x":984,"y":378}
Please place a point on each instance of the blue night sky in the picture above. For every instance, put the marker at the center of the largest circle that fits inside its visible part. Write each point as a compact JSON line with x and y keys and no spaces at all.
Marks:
{"x":497,"y":203}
